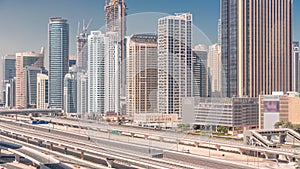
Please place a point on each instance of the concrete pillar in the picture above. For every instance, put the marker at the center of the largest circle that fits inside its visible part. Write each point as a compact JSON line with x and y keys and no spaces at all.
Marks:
{"x":66,"y":151}
{"x":109,"y":162}
{"x":218,"y":147}
{"x":132,"y":134}
{"x":0,"y":153}
{"x":146,"y":137}
{"x":282,"y":138}
{"x":269,"y":137}
{"x":161,"y":139}
{"x":40,"y":142}
{"x":241,"y":151}
{"x":266,"y":155}
{"x":51,"y":147}
{"x":196,"y":144}
{"x":17,"y":158}
{"x":289,"y":158}
{"x":27,"y":139}
{"x":82,"y":155}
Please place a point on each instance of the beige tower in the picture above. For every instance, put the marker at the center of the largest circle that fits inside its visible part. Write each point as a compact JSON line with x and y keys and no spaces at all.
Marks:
{"x":141,"y":74}
{"x":23,"y":60}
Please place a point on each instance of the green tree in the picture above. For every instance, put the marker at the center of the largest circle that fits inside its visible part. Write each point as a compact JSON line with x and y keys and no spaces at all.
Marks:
{"x":222,"y":129}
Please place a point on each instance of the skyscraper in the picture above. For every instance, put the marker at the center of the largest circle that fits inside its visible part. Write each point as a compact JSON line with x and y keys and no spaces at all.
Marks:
{"x":82,"y":93}
{"x":82,"y":49}
{"x":115,"y":22}
{"x":256,"y":47}
{"x":70,"y":92}
{"x":42,"y":95}
{"x":215,"y":69}
{"x":9,"y":71}
{"x":295,"y":67}
{"x":58,"y":42}
{"x":112,"y":74}
{"x":24,"y":60}
{"x":174,"y":62}
{"x":141,"y":76}
{"x":96,"y":54}
{"x":31,"y":85}
{"x":201,"y":84}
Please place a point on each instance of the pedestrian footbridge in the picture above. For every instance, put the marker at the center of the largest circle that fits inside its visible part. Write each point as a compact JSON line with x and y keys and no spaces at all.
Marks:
{"x":271,"y":138}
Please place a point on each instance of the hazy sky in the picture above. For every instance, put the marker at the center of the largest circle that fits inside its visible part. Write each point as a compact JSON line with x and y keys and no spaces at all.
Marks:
{"x":24,"y":23}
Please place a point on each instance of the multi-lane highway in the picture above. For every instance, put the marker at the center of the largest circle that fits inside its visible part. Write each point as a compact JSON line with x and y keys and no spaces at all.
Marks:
{"x":129,"y":153}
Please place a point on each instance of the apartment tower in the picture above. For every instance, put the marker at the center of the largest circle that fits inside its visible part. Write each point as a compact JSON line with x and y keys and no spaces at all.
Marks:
{"x":174,"y":62}
{"x":141,"y":76}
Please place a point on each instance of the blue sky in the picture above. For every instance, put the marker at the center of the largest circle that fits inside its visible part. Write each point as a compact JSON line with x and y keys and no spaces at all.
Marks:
{"x":24,"y":22}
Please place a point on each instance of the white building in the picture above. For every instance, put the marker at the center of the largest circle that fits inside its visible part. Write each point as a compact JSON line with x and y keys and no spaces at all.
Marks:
{"x":82,"y":93}
{"x":96,"y":54}
{"x":112,"y":74}
{"x":174,"y":62}
{"x":42,"y":97}
{"x":215,"y":69}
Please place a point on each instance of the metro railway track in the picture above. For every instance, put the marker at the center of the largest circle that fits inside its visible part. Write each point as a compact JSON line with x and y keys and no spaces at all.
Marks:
{"x":52,"y":137}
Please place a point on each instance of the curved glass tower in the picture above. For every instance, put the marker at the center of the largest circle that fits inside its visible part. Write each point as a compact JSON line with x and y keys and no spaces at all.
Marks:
{"x":58,"y":41}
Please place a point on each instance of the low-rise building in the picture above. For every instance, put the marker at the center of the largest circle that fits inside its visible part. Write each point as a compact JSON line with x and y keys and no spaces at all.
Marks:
{"x":278,"y":107}
{"x":234,"y":113}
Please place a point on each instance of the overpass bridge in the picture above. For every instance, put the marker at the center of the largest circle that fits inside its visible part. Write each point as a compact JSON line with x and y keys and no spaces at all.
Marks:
{"x":267,"y":152}
{"x":30,"y":111}
{"x":38,"y":159}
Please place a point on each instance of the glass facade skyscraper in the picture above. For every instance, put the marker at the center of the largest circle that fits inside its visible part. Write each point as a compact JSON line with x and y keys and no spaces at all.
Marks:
{"x":58,"y":34}
{"x":256,"y":47}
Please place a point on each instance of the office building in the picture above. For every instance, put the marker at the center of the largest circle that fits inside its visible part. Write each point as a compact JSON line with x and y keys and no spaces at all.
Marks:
{"x":295,"y":66}
{"x":201,"y":84}
{"x":9,"y":66}
{"x":82,"y":94}
{"x":31,"y":86}
{"x":58,"y":42}
{"x":10,"y":92}
{"x":211,"y":112}
{"x":112,"y":77}
{"x":214,"y":65}
{"x":9,"y":72}
{"x":116,"y":22}
{"x":42,"y":88}
{"x":279,"y":106}
{"x":256,"y":47}
{"x":70,"y":92}
{"x":141,"y":76}
{"x":174,"y":62}
{"x":24,"y":60}
{"x":96,"y":54}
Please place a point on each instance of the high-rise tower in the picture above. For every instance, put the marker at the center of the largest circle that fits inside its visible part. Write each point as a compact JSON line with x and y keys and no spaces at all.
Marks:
{"x":174,"y":62}
{"x":115,"y":22}
{"x":141,"y":76}
{"x":256,"y":47}
{"x":96,"y":54}
{"x":23,"y":61}
{"x":295,"y":67}
{"x":58,"y":42}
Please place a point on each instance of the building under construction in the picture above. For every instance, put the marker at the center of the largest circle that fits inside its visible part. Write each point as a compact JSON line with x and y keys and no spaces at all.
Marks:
{"x":82,"y":46}
{"x":115,"y":22}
